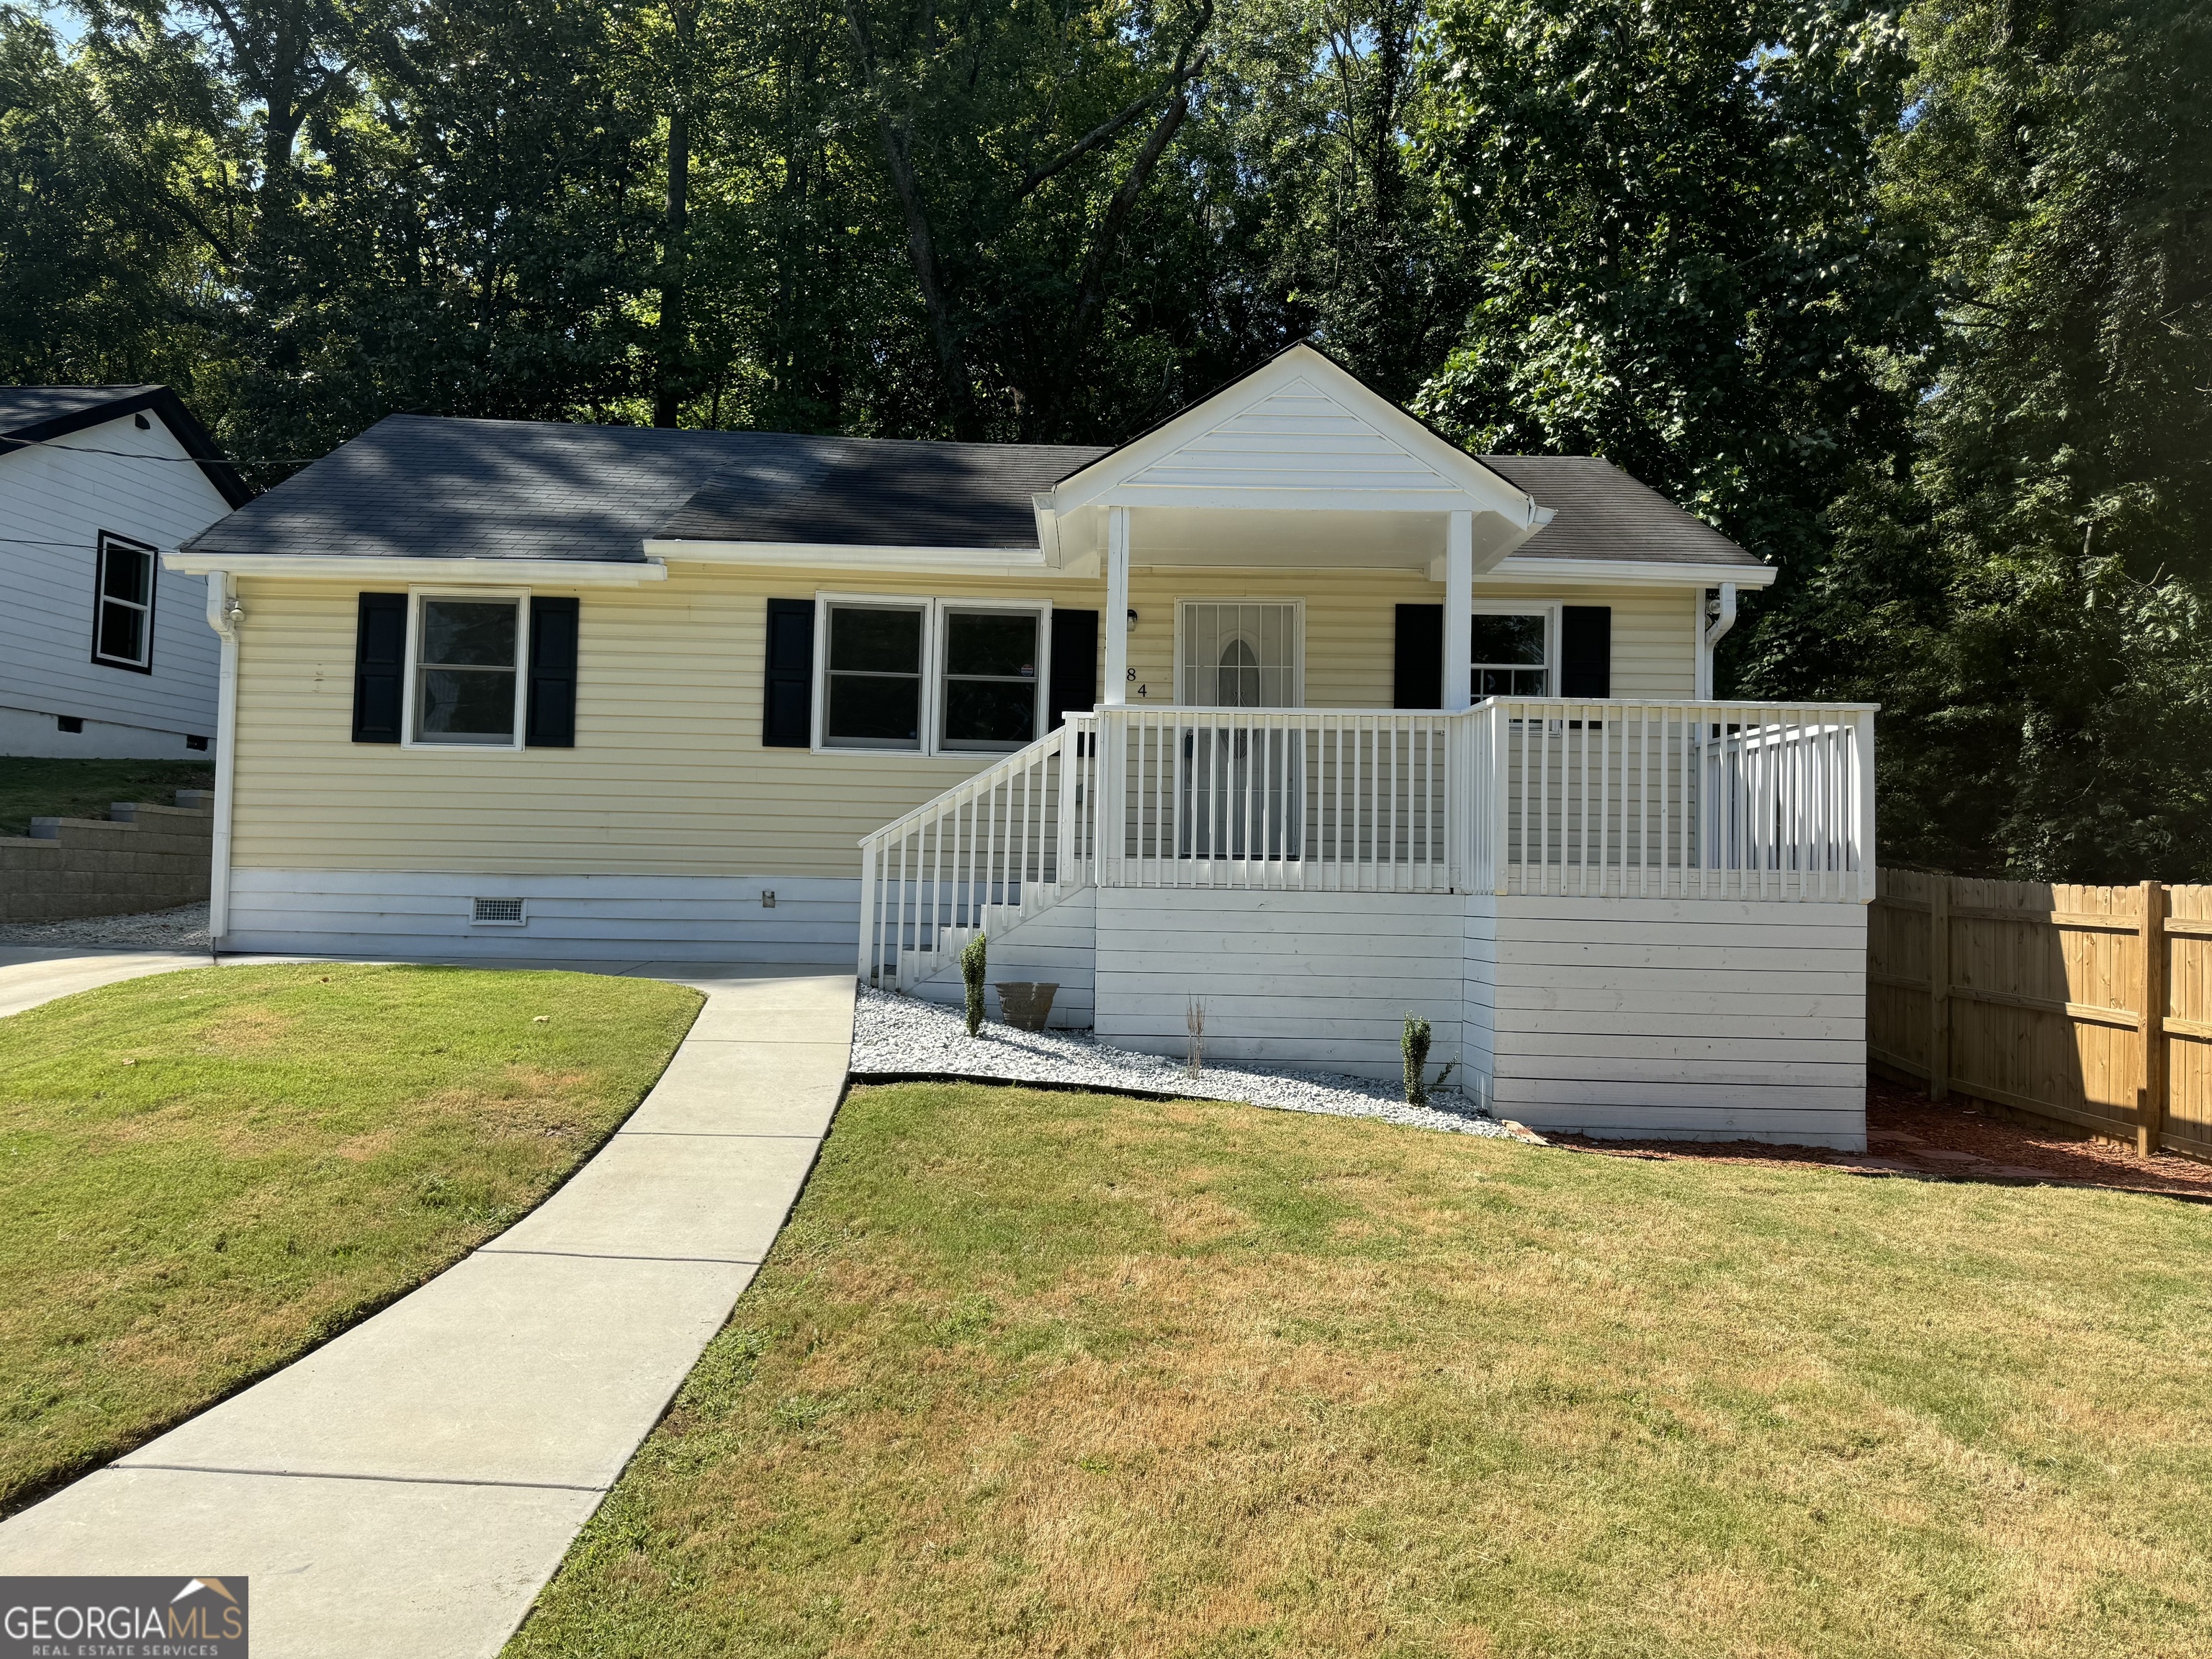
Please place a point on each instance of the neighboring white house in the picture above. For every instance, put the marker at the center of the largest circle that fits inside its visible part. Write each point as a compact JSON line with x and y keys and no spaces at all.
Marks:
{"x":105,"y":654}
{"x":1288,"y":706}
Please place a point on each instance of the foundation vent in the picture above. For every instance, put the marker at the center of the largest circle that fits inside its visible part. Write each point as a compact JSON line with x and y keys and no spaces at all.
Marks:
{"x":506,"y":912}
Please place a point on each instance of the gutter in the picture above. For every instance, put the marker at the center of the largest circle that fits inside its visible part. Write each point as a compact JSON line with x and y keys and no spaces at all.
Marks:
{"x":224,"y":614}
{"x":1710,"y":634}
{"x":346,"y":567}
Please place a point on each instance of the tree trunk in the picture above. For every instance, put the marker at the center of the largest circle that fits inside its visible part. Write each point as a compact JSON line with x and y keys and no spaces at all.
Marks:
{"x":921,"y":241}
{"x":672,"y":376}
{"x":668,"y":391}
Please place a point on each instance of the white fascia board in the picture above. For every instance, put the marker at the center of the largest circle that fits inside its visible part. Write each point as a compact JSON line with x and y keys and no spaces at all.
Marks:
{"x":1300,"y":498}
{"x":1482,"y":490}
{"x":347,"y":567}
{"x":814,"y":556}
{"x":1629,"y":572}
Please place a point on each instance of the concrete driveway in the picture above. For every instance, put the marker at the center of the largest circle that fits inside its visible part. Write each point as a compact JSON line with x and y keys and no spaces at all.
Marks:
{"x":408,"y":1487}
{"x":33,"y":974}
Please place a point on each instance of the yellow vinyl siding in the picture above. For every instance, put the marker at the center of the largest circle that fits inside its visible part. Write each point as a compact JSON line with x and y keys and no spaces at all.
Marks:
{"x":669,"y":776}
{"x":1351,"y":624}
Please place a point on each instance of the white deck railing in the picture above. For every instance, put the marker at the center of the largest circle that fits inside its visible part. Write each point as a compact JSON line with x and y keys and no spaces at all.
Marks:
{"x":1622,"y":800}
{"x":1611,"y":800}
{"x":1324,"y":799}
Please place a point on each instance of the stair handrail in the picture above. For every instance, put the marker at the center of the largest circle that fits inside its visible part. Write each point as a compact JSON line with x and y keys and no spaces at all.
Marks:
{"x":968,"y":788}
{"x":1008,"y":842}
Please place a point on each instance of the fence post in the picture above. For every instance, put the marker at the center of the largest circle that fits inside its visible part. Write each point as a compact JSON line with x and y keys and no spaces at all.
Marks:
{"x":2150,"y":1108}
{"x":1939,"y":987}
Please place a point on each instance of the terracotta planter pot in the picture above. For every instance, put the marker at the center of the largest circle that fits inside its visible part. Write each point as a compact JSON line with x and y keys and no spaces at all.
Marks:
{"x":1026,"y":1004}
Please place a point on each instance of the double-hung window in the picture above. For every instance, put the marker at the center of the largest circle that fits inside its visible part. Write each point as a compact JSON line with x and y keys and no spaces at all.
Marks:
{"x":929,"y":675}
{"x":877,"y":662}
{"x":123,"y":618}
{"x":1512,"y":653}
{"x":991,"y":681}
{"x":465,"y":684}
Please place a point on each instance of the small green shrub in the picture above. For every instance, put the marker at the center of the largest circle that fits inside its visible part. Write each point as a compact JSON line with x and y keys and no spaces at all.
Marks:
{"x":972,"y":970}
{"x":1414,"y":1045}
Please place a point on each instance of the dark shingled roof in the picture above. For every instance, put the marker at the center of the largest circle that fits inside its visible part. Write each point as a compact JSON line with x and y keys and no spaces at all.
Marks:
{"x":22,"y":407}
{"x":876,"y":493}
{"x":416,"y":486}
{"x":1598,"y":512}
{"x":43,"y":414}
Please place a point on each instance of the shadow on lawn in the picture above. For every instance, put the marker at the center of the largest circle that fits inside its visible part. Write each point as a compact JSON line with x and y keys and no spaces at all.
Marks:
{"x":1961,"y":1140}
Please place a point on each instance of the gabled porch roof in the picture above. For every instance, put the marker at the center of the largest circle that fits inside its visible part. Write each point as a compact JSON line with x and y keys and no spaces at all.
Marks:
{"x":1296,"y":465}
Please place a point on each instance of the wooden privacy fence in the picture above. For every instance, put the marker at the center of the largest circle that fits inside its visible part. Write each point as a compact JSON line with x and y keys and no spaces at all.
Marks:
{"x":2089,"y":1005}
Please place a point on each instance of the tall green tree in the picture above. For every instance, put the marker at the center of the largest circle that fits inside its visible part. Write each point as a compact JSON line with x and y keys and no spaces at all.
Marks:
{"x":103,"y":269}
{"x":2033,"y":597}
{"x":1684,"y":263}
{"x":1020,"y":143}
{"x":1355,"y":242}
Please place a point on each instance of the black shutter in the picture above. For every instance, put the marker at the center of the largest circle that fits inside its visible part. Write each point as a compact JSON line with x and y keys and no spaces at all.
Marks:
{"x":1419,"y":682}
{"x":552,"y":722}
{"x":787,"y":696}
{"x":1074,"y":688}
{"x":1586,"y":651}
{"x":379,"y":668}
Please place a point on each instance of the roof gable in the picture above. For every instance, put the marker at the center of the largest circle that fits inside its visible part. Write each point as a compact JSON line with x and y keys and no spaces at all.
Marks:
{"x":1296,"y":432}
{"x":45,"y":414}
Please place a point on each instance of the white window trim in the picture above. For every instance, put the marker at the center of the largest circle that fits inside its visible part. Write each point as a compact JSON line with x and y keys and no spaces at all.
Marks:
{"x":931,"y":745}
{"x":1297,"y":643}
{"x":1549,"y":610}
{"x":101,"y":601}
{"x":409,"y":709}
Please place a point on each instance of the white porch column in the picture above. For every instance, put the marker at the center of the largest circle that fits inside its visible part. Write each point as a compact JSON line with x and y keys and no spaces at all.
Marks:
{"x":1459,"y":610}
{"x":1117,"y":605}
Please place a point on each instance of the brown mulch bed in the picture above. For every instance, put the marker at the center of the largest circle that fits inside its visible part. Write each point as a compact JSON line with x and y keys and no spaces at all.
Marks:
{"x":1962,"y":1139}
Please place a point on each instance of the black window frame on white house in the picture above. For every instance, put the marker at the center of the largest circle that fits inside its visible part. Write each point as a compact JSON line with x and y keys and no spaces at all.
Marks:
{"x":933,"y":670}
{"x":102,"y":600}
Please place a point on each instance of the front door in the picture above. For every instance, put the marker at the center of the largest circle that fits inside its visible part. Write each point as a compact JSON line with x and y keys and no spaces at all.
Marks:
{"x":1242,"y":793}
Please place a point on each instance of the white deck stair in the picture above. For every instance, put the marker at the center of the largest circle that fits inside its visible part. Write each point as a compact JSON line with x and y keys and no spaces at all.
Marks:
{"x":995,"y":854}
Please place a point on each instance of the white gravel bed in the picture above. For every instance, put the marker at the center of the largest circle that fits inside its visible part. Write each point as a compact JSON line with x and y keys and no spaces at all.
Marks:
{"x":901,"y":1036}
{"x":184,"y":928}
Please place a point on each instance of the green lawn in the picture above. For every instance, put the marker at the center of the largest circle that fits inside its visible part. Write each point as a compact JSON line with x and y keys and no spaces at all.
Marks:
{"x":206,"y":1173}
{"x":84,"y":788}
{"x":1042,"y":1373}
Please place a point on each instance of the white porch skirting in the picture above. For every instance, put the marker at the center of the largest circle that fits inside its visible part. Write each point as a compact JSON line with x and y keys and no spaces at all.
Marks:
{"x":385,"y":913}
{"x":1694,"y":1018}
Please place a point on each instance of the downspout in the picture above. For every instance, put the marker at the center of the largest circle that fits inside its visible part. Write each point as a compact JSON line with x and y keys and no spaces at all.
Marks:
{"x":224,"y":613}
{"x":1710,"y":633}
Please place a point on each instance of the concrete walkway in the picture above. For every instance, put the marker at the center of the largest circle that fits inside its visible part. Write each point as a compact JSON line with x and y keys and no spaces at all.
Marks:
{"x":33,"y":974}
{"x":408,"y":1488}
